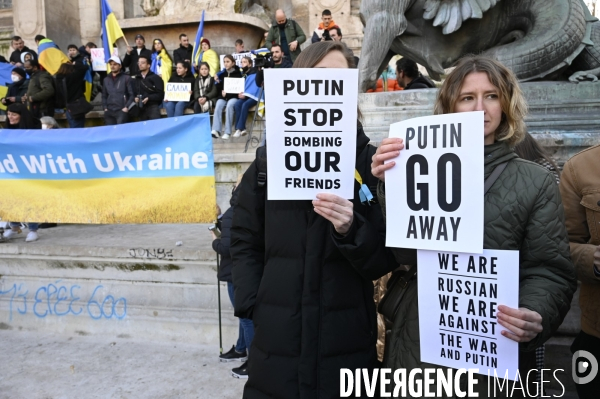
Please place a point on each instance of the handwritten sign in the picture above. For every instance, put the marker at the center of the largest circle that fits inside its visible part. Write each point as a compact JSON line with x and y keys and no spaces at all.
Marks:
{"x":312,"y":132}
{"x":178,"y":91}
{"x":460,"y":294}
{"x":98,"y":62}
{"x":234,"y":85}
{"x":435,"y":191}
{"x":238,"y":58}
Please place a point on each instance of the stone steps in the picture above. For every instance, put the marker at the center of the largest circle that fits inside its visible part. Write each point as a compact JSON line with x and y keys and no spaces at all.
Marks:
{"x":116,"y":279}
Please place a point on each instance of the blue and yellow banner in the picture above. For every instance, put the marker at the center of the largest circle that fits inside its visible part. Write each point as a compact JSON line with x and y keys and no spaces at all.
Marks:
{"x":146,"y":172}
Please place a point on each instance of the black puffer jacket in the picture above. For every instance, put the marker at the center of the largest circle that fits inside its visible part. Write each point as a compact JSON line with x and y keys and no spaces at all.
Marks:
{"x":420,"y":82}
{"x":221,"y":245}
{"x":308,"y":291}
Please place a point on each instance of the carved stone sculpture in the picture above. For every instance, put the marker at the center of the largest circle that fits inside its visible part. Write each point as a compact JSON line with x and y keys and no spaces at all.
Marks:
{"x":537,"y":39}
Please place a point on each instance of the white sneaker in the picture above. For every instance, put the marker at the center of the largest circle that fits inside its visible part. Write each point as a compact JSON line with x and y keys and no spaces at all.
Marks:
{"x":215,"y":134}
{"x":10,"y":233}
{"x":225,"y":136}
{"x":32,"y":236}
{"x":244,"y":132}
{"x":237,"y":134}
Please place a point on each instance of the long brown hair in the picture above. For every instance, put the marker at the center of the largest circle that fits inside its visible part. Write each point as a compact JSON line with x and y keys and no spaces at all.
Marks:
{"x":514,"y":107}
{"x":65,"y":69}
{"x":314,"y":53}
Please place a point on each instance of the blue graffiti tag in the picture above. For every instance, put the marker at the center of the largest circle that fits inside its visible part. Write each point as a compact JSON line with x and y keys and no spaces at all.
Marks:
{"x":58,"y":300}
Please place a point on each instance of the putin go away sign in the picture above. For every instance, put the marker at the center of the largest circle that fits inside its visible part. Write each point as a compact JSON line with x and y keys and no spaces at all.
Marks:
{"x":434,"y":194}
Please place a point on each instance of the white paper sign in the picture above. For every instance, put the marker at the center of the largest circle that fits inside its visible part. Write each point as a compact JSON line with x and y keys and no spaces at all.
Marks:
{"x":238,"y":58}
{"x":434,"y":194}
{"x":459,"y":295}
{"x":234,"y":85}
{"x":312,"y":132}
{"x":98,"y":62}
{"x":178,"y":91}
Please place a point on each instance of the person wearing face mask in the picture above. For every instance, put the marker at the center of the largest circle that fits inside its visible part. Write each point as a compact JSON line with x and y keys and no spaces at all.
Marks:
{"x":287,"y":33}
{"x":18,"y":88}
{"x":303,"y":272}
{"x":183,"y":75}
{"x":205,"y":90}
{"x":48,"y":123}
{"x":19,"y":117}
{"x":226,"y":101}
{"x":247,"y":99}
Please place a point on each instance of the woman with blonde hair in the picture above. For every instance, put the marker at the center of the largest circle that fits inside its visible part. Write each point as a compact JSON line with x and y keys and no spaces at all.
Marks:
{"x":522,"y":212}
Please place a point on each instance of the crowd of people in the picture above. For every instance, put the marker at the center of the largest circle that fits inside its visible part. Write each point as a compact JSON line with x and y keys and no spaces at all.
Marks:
{"x":299,"y":273}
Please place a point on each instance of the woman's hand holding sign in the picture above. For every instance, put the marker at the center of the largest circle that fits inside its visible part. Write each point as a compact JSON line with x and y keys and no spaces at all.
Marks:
{"x":337,"y":210}
{"x":523,"y":324}
{"x":389,"y":149}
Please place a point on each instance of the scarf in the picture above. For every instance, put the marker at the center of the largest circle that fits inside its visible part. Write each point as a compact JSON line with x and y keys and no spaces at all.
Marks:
{"x":332,"y":25}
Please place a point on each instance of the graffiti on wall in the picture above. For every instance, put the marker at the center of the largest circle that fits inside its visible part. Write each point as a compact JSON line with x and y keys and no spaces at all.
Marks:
{"x":58,"y":299}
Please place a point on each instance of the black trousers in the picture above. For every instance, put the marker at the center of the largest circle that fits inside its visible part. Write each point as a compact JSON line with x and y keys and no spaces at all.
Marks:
{"x":149,"y":112}
{"x":37,"y":111}
{"x":115,"y":117}
{"x":589,"y":343}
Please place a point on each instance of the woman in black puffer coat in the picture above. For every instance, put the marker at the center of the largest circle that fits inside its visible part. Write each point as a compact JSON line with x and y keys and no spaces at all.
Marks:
{"x":310,"y":300}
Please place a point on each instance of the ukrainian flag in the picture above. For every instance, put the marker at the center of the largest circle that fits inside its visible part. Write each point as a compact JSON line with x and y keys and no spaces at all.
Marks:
{"x":50,"y":56}
{"x":197,"y":47}
{"x":111,"y":31}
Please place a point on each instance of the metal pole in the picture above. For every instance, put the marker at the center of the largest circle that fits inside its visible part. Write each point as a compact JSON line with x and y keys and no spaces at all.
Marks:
{"x":219,"y":299}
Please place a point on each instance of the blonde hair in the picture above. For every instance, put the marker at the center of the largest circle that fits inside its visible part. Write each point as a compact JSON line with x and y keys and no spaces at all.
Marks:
{"x":514,"y":106}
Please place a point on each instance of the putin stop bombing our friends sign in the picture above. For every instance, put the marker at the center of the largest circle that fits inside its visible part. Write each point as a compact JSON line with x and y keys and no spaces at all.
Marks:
{"x":311,"y":130}
{"x":434,"y":194}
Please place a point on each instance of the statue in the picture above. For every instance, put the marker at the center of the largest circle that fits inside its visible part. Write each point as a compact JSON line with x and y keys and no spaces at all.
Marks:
{"x":537,"y":39}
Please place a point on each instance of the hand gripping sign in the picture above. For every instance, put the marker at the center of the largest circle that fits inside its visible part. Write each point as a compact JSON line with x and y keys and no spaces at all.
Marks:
{"x":434,"y":194}
{"x":311,"y":132}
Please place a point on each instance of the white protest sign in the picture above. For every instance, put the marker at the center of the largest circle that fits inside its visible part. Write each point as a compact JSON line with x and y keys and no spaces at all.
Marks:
{"x":312,"y":132}
{"x":434,"y":194}
{"x":234,"y":85}
{"x":238,"y":58}
{"x":459,"y":296}
{"x":98,"y":62}
{"x":178,"y":91}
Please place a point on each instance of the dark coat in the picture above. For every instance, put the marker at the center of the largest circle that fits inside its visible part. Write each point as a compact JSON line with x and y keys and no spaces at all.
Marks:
{"x":41,"y":89}
{"x":16,"y":55}
{"x":420,"y":82}
{"x":211,"y":95}
{"x":308,"y":290}
{"x":182,"y":54}
{"x":117,"y":92}
{"x":523,"y":212}
{"x":221,"y":245}
{"x":260,"y":75}
{"x":293,"y":32}
{"x":131,"y":60}
{"x":221,"y":85}
{"x":17,"y":90}
{"x":152,"y":86}
{"x":189,"y":78}
{"x":74,"y":82}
